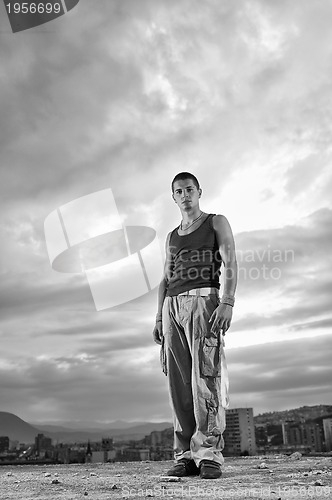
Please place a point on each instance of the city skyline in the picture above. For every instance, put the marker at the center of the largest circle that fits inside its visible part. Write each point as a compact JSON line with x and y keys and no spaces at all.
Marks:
{"x":124,"y":96}
{"x":17,"y":428}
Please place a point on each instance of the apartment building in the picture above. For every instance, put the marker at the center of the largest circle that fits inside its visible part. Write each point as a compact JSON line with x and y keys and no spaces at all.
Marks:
{"x":239,"y":435}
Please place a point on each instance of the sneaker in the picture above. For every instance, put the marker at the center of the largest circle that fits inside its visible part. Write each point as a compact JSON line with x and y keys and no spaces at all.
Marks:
{"x":209,"y":469}
{"x":184,"y":467}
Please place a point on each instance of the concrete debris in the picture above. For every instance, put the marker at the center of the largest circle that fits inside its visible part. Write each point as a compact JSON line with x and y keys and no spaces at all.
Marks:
{"x":73,"y":481}
{"x":296,"y":455}
{"x":170,"y":479}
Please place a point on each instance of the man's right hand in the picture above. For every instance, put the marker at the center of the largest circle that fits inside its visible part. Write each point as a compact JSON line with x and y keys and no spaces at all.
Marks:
{"x":158,"y":333}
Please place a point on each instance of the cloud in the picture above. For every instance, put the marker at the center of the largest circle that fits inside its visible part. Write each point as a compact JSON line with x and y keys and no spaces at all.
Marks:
{"x":280,"y":375}
{"x":125,"y":95}
{"x":86,"y":385}
{"x":266,"y":377}
{"x":289,"y":270}
{"x":303,"y":175}
{"x":323,"y":323}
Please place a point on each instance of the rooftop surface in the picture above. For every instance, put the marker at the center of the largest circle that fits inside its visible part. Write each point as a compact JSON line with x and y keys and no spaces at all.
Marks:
{"x":271,"y":477}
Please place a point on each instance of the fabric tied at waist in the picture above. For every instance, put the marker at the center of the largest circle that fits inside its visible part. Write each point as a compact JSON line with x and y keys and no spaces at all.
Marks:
{"x":163,"y":358}
{"x":224,"y":389}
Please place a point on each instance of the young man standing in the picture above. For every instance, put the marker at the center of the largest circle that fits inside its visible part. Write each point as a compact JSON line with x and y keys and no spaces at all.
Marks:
{"x":189,"y":322}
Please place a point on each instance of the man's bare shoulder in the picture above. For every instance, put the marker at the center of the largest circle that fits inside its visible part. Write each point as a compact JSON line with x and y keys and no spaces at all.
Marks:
{"x":220,"y":222}
{"x":168,"y":237}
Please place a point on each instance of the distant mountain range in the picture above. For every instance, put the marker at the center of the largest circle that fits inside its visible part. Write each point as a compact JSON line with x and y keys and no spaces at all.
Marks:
{"x":74,"y":432}
{"x":78,"y":425}
{"x":19,"y":430}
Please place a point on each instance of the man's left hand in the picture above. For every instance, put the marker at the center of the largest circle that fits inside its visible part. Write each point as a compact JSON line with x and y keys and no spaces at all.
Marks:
{"x":221,"y":318}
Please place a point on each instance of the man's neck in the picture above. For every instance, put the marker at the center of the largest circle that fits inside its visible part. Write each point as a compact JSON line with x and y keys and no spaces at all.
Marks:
{"x":189,"y":215}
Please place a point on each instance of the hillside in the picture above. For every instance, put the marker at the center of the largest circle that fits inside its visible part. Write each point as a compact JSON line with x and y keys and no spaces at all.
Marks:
{"x":131,"y":433}
{"x":303,"y":413}
{"x":19,"y":430}
{"x":84,"y":425}
{"x":16,"y":428}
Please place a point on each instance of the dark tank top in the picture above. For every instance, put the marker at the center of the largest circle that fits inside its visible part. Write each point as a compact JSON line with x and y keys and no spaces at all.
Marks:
{"x":196,"y":260}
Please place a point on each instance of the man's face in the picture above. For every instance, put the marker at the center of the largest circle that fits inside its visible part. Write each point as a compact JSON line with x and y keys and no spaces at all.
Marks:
{"x":186,"y":194}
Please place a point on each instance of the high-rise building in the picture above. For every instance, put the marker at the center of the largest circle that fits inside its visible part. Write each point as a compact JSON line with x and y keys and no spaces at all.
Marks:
{"x":161,"y":444}
{"x":239,"y":434}
{"x":42,"y":444}
{"x":312,"y":436}
{"x":4,"y":443}
{"x":107,"y":444}
{"x":327,"y":426}
{"x":302,"y":435}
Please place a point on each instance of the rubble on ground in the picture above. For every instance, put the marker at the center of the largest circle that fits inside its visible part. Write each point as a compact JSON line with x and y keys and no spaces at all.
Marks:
{"x":269,"y":477}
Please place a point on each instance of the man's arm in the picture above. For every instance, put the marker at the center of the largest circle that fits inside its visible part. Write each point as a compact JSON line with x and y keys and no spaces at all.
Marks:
{"x":222,"y":316}
{"x":157,"y":332}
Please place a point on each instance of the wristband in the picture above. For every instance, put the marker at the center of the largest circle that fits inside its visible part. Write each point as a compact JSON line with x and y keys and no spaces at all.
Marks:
{"x":158,"y":317}
{"x":228,"y":299}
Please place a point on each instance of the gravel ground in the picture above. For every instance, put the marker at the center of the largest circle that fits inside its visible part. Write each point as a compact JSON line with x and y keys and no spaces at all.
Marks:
{"x":273,"y":477}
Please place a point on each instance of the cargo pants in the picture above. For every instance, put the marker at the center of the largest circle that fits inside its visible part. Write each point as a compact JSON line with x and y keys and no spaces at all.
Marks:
{"x":194,"y":361}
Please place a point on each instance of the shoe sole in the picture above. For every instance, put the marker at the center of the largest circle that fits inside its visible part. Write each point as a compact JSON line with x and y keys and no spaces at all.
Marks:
{"x":202,"y":476}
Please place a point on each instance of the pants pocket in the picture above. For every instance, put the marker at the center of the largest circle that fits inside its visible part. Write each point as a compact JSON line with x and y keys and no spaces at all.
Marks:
{"x":210,"y":365}
{"x":212,"y":406}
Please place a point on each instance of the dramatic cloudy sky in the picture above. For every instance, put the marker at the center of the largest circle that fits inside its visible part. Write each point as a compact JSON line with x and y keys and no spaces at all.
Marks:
{"x":124,"y":94}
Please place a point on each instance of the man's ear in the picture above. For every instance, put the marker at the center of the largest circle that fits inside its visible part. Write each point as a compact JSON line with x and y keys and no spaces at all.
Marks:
{"x":199,"y":192}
